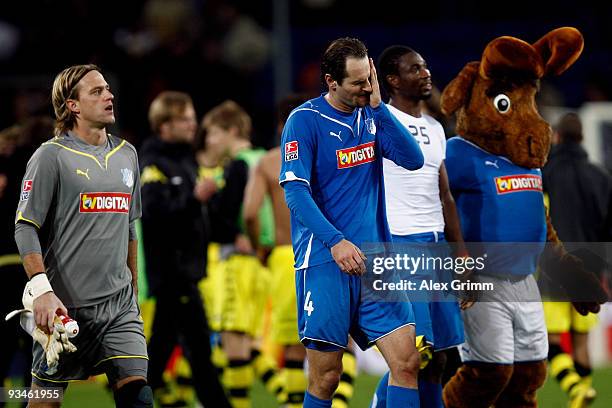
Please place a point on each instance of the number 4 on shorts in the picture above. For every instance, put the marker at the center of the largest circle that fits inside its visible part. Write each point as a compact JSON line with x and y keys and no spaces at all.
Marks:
{"x":308,"y":304}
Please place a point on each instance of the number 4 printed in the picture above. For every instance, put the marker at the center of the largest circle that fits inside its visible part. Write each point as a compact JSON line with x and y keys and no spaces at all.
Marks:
{"x":308,"y":304}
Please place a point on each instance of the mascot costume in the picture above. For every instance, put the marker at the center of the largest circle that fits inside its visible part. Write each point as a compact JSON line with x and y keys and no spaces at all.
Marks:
{"x":494,"y":173}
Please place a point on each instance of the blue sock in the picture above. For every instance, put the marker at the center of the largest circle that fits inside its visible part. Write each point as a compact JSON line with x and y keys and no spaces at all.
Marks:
{"x":310,"y":401}
{"x":430,"y":394}
{"x":380,"y":395}
{"x":400,"y":397}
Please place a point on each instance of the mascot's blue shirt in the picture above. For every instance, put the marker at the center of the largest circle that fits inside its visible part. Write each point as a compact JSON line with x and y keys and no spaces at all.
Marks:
{"x":497,"y":201}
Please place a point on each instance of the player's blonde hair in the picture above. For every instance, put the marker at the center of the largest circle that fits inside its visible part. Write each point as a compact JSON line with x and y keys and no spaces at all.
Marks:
{"x":64,"y":88}
{"x":227,"y":115}
{"x":166,"y":106}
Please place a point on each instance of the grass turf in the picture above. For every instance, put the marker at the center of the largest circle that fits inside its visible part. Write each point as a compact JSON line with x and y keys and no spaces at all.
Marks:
{"x":94,"y":395}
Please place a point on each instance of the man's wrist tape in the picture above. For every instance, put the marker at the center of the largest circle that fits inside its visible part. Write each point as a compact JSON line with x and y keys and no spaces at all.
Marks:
{"x":40,"y":284}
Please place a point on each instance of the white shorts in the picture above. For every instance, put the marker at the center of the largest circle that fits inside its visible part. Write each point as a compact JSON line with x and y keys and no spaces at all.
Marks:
{"x":502,"y":327}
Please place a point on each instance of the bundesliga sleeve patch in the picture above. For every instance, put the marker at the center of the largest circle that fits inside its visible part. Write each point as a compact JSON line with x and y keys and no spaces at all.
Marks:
{"x":104,"y":203}
{"x":291,"y":150}
{"x":25,"y":190}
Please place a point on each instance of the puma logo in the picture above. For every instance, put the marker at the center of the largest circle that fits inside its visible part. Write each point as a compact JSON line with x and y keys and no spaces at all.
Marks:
{"x":80,"y":172}
{"x":490,"y":163}
{"x":336,"y":134}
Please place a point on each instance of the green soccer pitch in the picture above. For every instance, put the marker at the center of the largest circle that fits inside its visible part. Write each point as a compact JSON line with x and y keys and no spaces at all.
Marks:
{"x":94,"y":395}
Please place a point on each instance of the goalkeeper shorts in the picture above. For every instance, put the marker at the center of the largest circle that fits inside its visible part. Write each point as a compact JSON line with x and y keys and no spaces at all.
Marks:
{"x":111,"y":340}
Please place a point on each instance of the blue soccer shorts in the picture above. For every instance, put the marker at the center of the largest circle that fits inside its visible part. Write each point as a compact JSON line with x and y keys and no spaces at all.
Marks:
{"x":439,"y":319}
{"x":330,"y":308}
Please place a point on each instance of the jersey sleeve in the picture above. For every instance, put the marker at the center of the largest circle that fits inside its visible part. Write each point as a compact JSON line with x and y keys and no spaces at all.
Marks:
{"x":136,"y":203}
{"x":298,"y":148}
{"x":38,"y":187}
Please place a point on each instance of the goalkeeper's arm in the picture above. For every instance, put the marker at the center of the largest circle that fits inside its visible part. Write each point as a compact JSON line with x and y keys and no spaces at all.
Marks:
{"x":45,"y":305}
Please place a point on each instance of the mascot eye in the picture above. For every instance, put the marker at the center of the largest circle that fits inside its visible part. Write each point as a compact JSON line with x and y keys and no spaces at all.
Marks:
{"x":502,"y":103}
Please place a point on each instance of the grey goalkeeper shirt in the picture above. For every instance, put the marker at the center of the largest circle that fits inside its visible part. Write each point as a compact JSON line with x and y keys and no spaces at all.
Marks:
{"x":83,"y":197}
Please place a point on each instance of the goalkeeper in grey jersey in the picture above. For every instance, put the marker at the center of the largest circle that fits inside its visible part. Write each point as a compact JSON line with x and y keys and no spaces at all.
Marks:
{"x":74,"y":227}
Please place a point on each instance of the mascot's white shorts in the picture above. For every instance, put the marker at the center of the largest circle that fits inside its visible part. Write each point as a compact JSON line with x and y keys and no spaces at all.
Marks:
{"x":507,"y":323}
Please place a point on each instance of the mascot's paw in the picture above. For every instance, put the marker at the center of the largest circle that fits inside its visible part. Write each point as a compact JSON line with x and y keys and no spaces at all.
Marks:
{"x":583,"y":288}
{"x":584,"y":308}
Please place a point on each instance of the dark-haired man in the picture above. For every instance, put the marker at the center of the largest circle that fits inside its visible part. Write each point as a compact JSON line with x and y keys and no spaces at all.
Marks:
{"x":332,"y":150}
{"x":421,"y":209}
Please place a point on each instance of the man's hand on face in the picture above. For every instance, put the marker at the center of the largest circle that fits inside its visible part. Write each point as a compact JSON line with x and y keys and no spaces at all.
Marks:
{"x":375,"y":97}
{"x":349,"y":258}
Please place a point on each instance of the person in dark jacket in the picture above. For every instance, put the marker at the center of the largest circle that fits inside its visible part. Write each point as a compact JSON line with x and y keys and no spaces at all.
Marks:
{"x":175,"y":237}
{"x":17,"y":144}
{"x":579,"y":198}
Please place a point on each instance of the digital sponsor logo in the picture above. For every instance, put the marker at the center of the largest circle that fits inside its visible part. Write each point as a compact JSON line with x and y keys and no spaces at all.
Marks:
{"x":517,"y":183}
{"x":104,"y":203}
{"x":291,"y":150}
{"x":25,"y":189}
{"x":355,"y":156}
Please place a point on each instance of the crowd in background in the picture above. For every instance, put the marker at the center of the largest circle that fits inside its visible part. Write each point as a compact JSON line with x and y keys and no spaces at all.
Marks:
{"x":220,"y":49}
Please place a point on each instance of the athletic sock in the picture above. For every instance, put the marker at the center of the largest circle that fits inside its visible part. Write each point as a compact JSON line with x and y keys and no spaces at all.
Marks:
{"x":295,"y":383}
{"x":402,"y":397}
{"x":430,"y":394}
{"x":380,"y":395}
{"x":310,"y":401}
{"x":562,"y":368}
{"x":267,"y":371}
{"x":238,"y":378}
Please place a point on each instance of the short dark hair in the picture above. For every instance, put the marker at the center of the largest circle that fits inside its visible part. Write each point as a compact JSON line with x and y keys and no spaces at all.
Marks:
{"x":388,"y":63}
{"x":334,"y":58}
{"x":569,"y":128}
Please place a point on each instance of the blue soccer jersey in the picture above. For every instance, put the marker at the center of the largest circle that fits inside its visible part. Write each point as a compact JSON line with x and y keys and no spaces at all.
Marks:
{"x":339,"y":156}
{"x":497,"y":201}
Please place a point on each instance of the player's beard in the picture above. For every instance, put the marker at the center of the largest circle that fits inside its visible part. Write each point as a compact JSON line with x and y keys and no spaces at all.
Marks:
{"x":359,"y":100}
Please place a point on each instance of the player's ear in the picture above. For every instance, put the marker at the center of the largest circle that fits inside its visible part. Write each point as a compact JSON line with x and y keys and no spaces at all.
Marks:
{"x":73,"y":105}
{"x":331,"y":83}
{"x":392,"y":80}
